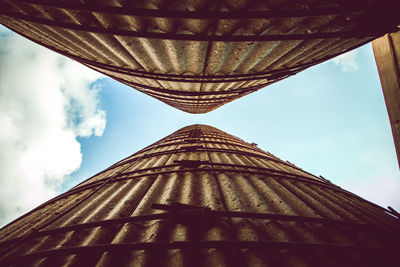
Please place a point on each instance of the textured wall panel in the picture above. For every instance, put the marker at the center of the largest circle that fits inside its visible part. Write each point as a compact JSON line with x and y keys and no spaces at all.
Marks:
{"x":201,"y":197}
{"x":199,"y":55}
{"x":387,"y":58}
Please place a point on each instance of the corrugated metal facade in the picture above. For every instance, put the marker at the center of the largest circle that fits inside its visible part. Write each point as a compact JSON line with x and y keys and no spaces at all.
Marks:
{"x":387,"y":58}
{"x":201,"y":197}
{"x":197,"y":55}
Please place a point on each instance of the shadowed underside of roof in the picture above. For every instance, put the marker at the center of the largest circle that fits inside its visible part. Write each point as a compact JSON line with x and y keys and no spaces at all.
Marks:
{"x":202,"y":197}
{"x":199,"y":55}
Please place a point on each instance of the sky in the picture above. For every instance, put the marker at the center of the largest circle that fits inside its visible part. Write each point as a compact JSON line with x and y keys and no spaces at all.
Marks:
{"x":62,"y":123}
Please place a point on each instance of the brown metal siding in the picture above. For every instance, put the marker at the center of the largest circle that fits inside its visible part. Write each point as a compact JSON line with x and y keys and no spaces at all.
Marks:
{"x":387,"y":58}
{"x":199,"y":55}
{"x":100,"y":221}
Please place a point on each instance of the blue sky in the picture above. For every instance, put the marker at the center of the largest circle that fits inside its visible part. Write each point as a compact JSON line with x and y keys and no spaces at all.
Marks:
{"x":330,"y":120}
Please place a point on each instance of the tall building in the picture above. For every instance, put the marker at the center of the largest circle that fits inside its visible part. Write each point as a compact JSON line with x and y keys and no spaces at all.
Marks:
{"x":202,"y":197}
{"x":387,"y":58}
{"x":199,"y":55}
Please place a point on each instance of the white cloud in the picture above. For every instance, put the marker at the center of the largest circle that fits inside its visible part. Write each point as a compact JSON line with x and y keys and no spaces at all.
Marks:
{"x":380,"y":187}
{"x":347,"y":62}
{"x":46,"y":102}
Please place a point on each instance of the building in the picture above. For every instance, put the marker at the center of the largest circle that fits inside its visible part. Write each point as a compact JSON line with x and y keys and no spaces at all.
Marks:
{"x":387,"y":58}
{"x":202,"y":197}
{"x":199,"y":55}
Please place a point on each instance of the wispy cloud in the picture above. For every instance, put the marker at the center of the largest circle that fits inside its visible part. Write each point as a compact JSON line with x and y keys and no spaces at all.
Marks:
{"x":347,"y":62}
{"x":46,"y":102}
{"x":383,"y":191}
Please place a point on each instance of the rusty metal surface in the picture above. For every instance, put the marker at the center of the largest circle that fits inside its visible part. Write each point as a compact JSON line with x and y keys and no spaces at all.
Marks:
{"x":199,"y":55}
{"x":201,"y":197}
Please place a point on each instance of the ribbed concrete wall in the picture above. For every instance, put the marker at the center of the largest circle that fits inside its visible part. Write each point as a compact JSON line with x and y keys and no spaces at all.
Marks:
{"x":248,"y":208}
{"x":199,"y":55}
{"x":387,"y":58}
